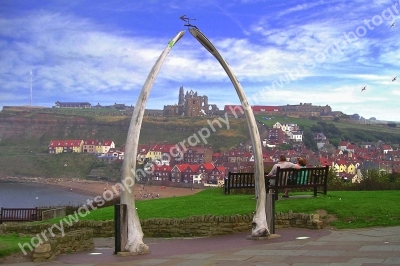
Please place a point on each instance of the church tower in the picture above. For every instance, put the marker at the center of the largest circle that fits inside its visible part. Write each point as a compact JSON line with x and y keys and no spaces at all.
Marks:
{"x":181,"y":100}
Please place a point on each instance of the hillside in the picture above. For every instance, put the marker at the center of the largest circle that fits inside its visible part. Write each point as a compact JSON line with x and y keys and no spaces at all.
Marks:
{"x":26,"y":132}
{"x":343,"y":129}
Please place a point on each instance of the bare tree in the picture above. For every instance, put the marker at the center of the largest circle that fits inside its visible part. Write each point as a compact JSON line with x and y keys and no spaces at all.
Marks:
{"x":135,"y":234}
{"x":260,"y":226}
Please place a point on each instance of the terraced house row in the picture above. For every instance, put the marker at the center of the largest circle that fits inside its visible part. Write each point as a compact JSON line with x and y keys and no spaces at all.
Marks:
{"x":91,"y":146}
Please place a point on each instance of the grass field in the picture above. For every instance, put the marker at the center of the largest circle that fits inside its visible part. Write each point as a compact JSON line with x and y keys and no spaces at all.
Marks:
{"x":353,"y":209}
{"x":9,"y":244}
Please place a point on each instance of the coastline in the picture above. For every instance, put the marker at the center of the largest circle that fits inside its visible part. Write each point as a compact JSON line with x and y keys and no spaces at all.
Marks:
{"x":93,"y":189}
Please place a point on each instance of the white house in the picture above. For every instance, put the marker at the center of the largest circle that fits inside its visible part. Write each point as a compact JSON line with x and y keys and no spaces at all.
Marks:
{"x":296,"y":136}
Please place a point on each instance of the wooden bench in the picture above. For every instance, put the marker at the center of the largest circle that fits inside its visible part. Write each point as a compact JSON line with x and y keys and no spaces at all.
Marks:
{"x":20,"y":215}
{"x":311,"y":177}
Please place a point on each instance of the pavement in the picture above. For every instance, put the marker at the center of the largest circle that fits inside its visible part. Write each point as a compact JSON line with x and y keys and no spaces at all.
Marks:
{"x":293,"y":246}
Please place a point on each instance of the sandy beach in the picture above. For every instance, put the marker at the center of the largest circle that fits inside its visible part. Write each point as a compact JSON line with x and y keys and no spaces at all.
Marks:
{"x":97,"y":188}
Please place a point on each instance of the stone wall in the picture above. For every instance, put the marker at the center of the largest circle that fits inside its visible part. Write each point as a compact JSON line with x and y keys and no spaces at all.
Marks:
{"x":73,"y":241}
{"x":206,"y":225}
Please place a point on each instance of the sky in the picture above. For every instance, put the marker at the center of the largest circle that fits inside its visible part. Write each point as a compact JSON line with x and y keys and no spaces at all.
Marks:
{"x":322,"y":52}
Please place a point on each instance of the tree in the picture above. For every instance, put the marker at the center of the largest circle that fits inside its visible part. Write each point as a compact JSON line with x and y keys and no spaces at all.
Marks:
{"x":308,"y":139}
{"x":317,"y":128}
{"x":334,"y":142}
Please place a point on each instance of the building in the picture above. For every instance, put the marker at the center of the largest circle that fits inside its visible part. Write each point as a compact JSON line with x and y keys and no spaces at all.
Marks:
{"x":61,"y":146}
{"x":305,"y":110}
{"x":90,"y":146}
{"x":72,"y":105}
{"x":190,"y":104}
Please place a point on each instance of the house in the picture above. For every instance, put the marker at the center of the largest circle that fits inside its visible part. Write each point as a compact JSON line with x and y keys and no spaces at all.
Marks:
{"x":352,"y":168}
{"x":205,"y":169}
{"x":351,"y":148}
{"x":220,"y":159}
{"x":320,"y":137}
{"x":367,"y":145}
{"x":276,"y":136}
{"x":177,"y":172}
{"x":393,"y":156}
{"x":154,"y":153}
{"x":246,"y":167}
{"x":195,"y":177}
{"x":238,"y":156}
{"x":385,"y":148}
{"x":106,"y":145}
{"x":358,"y":177}
{"x":77,"y":145}
{"x":102,"y":147}
{"x":89,"y":146}
{"x":55,"y":146}
{"x":231,"y":167}
{"x":342,"y":166}
{"x":296,"y":136}
{"x":277,"y":125}
{"x":142,"y":153}
{"x":323,"y":161}
{"x":343,"y":145}
{"x":161,"y":173}
{"x":286,"y":127}
{"x":196,"y":155}
{"x":189,"y":172}
{"x":163,"y":154}
{"x":61,"y":146}
{"x":217,"y":175}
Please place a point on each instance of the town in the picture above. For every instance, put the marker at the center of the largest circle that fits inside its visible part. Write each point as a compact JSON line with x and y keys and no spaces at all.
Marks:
{"x":201,"y":165}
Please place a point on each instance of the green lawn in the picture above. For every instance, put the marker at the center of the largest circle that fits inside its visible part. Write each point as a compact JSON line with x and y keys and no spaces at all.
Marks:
{"x":9,"y":244}
{"x":354,"y":209}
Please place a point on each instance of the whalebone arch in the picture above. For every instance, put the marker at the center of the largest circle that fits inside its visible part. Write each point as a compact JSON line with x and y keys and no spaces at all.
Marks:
{"x":134,"y":242}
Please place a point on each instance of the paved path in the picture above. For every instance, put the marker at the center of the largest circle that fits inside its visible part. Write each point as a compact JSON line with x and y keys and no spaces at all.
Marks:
{"x":298,"y":247}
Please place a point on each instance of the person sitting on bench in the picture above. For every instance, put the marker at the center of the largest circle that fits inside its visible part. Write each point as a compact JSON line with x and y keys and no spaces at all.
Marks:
{"x":283,"y":163}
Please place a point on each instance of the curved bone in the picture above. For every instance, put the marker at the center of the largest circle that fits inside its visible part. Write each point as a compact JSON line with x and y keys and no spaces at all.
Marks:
{"x":135,"y":234}
{"x":260,"y":226}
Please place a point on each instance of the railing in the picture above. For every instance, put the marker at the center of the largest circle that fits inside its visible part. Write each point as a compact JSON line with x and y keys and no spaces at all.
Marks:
{"x":53,"y":213}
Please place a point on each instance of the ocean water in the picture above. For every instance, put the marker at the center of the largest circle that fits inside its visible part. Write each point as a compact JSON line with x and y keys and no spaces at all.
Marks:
{"x":30,"y":195}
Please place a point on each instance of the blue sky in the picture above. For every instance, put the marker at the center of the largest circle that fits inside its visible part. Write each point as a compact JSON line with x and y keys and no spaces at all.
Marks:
{"x":282,"y":52}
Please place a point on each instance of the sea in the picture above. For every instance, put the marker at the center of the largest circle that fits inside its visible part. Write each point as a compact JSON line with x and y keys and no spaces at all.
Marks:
{"x":30,"y":195}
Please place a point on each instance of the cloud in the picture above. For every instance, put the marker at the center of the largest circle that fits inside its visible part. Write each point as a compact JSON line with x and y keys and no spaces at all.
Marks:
{"x":80,"y":58}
